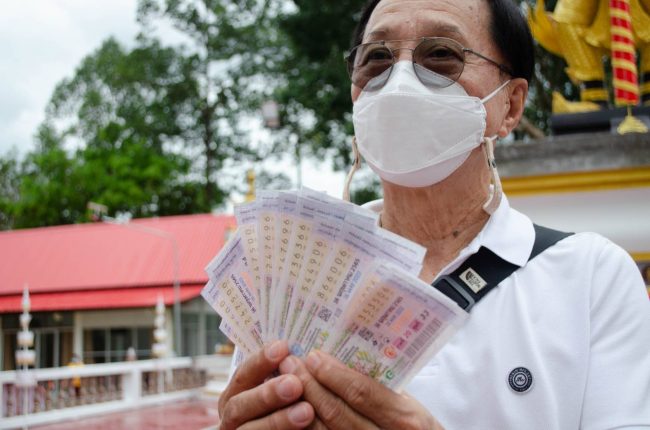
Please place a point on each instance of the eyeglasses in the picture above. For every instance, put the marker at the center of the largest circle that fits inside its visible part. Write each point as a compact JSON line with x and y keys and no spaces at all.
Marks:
{"x":441,"y":55}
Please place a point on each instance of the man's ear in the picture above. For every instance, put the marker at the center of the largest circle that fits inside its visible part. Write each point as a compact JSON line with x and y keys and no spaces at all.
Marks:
{"x":517,"y":93}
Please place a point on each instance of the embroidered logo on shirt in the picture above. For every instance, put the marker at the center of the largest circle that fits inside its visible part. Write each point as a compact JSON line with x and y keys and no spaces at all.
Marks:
{"x":520,"y":379}
{"x":473,"y":280}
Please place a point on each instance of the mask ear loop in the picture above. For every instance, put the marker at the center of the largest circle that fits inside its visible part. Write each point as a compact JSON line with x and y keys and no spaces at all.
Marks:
{"x":356,"y":163}
{"x":495,"y":191}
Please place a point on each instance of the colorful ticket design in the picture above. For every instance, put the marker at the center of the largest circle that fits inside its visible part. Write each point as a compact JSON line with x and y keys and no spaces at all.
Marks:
{"x":320,"y":273}
{"x":397,"y":323}
{"x":229,"y":293}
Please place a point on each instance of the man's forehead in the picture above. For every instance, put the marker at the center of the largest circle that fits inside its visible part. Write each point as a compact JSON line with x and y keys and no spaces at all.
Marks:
{"x":396,"y":5}
{"x":446,"y":15}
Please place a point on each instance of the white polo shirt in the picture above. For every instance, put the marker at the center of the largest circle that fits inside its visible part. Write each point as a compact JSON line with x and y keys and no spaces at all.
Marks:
{"x":574,"y":322}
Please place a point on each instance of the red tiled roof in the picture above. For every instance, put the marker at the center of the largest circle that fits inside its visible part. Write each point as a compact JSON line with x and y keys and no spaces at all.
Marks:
{"x":86,"y":257}
{"x":99,"y":299}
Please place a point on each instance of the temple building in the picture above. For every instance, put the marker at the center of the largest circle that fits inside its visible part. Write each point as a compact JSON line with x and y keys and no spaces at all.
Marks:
{"x":585,"y":182}
{"x":94,"y":287}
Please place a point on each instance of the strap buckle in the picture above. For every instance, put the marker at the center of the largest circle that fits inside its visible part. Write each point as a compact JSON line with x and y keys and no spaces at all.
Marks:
{"x":452,"y":289}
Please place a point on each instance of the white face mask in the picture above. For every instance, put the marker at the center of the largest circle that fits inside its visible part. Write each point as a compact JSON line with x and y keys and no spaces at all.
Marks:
{"x":415,"y":136}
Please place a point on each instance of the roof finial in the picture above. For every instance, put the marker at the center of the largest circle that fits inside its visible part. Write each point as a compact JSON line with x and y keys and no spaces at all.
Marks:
{"x":250,"y":178}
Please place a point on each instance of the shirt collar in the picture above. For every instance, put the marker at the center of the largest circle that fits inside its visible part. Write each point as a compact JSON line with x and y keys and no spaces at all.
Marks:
{"x":508,"y":233}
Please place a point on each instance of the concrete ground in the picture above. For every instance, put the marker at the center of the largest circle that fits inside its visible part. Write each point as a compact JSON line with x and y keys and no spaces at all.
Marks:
{"x":198,"y":414}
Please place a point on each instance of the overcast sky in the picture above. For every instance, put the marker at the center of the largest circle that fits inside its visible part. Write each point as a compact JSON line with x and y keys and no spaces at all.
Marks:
{"x":43,"y":41}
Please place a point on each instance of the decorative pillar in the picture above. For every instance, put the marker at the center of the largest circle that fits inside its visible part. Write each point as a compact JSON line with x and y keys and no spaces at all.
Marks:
{"x":25,"y":356}
{"x":626,"y":83}
{"x":159,"y":348}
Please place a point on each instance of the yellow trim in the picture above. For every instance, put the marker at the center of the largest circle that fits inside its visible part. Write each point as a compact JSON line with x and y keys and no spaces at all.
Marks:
{"x":624,"y":64}
{"x":591,"y":94}
{"x":618,"y":13}
{"x":645,"y":88}
{"x":623,"y":47}
{"x":640,"y":256}
{"x":623,"y":32}
{"x":577,"y":182}
{"x":625,"y":85}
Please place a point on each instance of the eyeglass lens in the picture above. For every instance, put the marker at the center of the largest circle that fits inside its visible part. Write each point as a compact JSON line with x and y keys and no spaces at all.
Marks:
{"x":440,"y":55}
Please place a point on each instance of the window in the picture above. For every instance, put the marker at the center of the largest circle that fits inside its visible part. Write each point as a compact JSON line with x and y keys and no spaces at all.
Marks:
{"x":107,"y":345}
{"x":52,"y":338}
{"x":213,"y":336}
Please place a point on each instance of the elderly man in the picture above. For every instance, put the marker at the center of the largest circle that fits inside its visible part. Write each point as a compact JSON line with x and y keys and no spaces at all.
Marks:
{"x":562,"y":343}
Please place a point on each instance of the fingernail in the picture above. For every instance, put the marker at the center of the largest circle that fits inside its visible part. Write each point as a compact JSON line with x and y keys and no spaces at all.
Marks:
{"x":299,"y":414}
{"x":288,"y":365}
{"x":274,"y":351}
{"x":313,"y":360}
{"x":286,"y":389}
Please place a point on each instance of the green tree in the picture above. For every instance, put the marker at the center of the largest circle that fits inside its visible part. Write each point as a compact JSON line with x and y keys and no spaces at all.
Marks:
{"x":314,"y":85}
{"x":9,"y":189}
{"x":123,"y":173}
{"x":49,"y":194}
{"x":317,"y":86}
{"x":119,"y":100}
{"x":227,"y":42}
{"x":153,"y":126}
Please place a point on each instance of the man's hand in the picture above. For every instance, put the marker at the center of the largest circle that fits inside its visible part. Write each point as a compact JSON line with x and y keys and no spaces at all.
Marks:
{"x":345,"y":399}
{"x":253,"y":400}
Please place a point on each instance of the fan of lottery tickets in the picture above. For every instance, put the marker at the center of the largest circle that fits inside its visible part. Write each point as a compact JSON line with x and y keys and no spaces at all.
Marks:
{"x":320,"y":273}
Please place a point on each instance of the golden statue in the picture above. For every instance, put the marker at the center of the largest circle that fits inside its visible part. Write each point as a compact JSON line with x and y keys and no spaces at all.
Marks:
{"x":583,"y":32}
{"x":250,"y":179}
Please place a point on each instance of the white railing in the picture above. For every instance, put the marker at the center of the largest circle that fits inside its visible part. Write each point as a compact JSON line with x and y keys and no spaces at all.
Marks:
{"x":72,"y":392}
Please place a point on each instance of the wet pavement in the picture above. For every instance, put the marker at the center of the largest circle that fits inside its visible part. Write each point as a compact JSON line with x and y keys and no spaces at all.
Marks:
{"x":186,"y":415}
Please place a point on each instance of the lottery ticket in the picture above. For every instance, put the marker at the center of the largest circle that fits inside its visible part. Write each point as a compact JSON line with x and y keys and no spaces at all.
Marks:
{"x":338,"y":271}
{"x":322,"y":274}
{"x":287,"y":216}
{"x":355,"y":252}
{"x":309,"y":211}
{"x":246,"y":215}
{"x":346,"y":207}
{"x":235,"y":338}
{"x":323,"y":236}
{"x":395,"y":324}
{"x":398,"y":250}
{"x":268,"y":212}
{"x":233,"y":327}
{"x":298,"y":241}
{"x":229,"y":292}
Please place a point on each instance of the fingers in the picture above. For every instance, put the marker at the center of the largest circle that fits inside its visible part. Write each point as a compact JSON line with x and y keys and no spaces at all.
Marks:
{"x":381,"y":405}
{"x":261,"y":401}
{"x":317,"y":424}
{"x":254,"y":371}
{"x":331,"y":410}
{"x":298,"y":416}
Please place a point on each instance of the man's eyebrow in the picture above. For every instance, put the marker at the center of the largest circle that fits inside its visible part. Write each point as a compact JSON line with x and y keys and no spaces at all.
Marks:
{"x":448,"y":28}
{"x":379,"y":33}
{"x":435,"y":29}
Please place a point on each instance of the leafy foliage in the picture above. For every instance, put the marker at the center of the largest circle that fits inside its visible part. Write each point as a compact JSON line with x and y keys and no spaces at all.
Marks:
{"x":146,"y":130}
{"x":319,"y":34}
{"x":55,"y":185}
{"x":9,"y":188}
{"x":149,"y":130}
{"x":316,"y":83}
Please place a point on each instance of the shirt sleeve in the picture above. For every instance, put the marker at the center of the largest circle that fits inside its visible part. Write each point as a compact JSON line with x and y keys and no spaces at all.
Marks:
{"x":617,"y":394}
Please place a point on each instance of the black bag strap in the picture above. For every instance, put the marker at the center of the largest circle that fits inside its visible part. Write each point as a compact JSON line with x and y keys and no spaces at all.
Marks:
{"x":484,"y":270}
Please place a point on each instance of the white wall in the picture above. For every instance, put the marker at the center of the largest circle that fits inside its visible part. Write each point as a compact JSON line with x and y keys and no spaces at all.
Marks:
{"x":622,"y":215}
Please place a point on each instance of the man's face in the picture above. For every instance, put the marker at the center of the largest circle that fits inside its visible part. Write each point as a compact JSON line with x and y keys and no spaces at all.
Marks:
{"x":466,"y":21}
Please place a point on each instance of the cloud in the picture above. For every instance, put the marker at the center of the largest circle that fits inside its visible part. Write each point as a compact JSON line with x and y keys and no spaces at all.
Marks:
{"x":42,"y":43}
